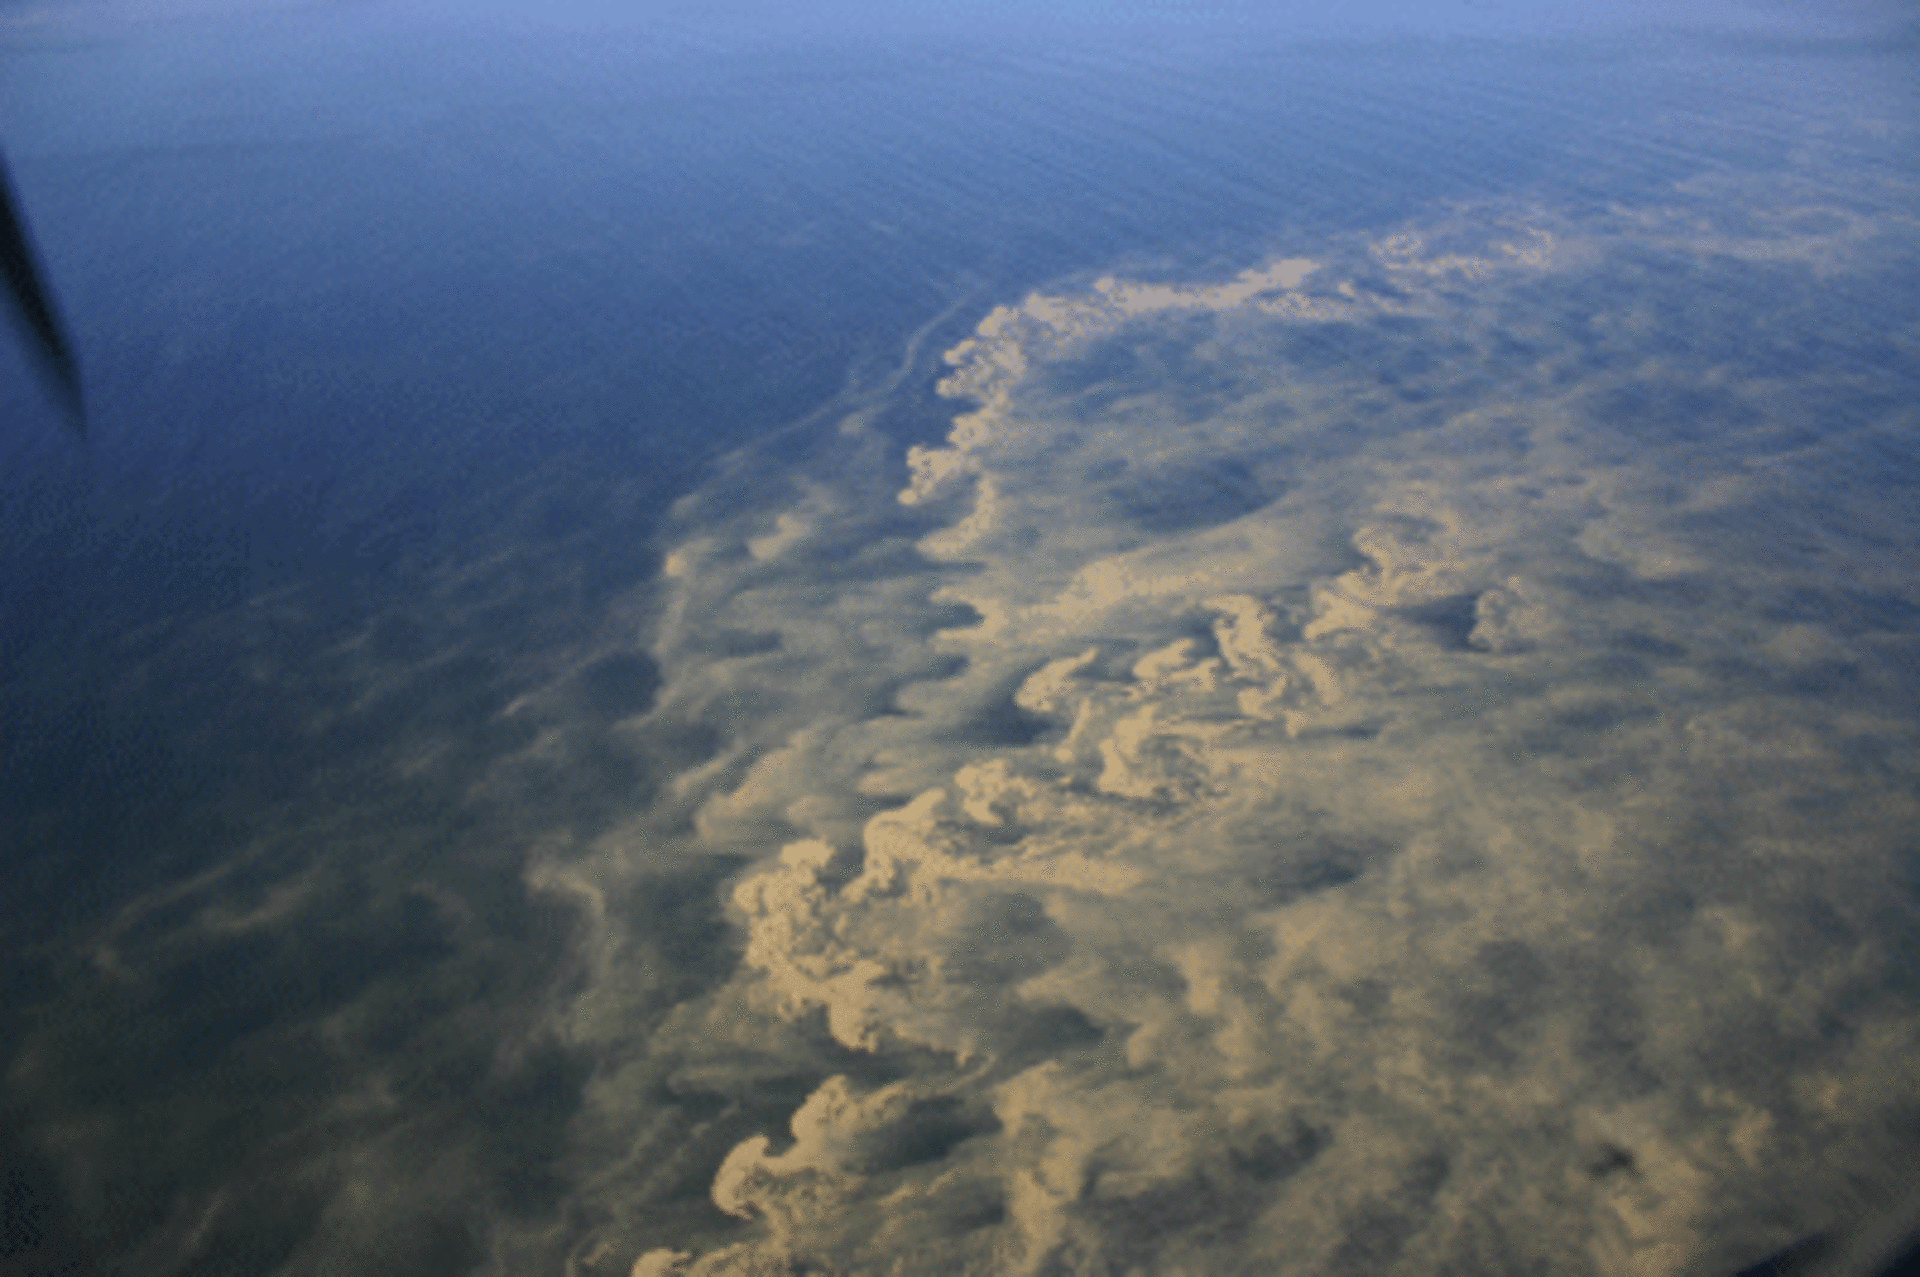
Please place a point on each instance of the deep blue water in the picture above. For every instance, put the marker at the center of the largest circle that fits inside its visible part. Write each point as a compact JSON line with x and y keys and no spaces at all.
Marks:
{"x":341,"y":281}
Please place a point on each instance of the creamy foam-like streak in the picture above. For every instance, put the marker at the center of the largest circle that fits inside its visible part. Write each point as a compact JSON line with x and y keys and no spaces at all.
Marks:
{"x":1436,"y":830}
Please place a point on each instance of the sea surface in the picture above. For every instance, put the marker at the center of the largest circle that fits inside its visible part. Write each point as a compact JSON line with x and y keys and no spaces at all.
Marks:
{"x":1180,"y":640}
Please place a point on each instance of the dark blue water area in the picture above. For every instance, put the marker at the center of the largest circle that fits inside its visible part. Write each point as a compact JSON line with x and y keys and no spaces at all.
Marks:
{"x":337,"y":278}
{"x":400,"y":335}
{"x":345,"y":284}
